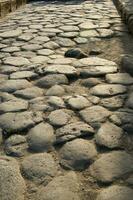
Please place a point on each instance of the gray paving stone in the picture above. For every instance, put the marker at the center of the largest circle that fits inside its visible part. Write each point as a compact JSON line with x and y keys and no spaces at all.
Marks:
{"x":114,"y":102}
{"x":16,"y":61}
{"x":45,"y":52}
{"x":119,"y":78}
{"x":39,"y":168}
{"x":55,"y":90}
{"x":41,"y":138}
{"x":115,"y":192}
{"x":65,"y":42}
{"x":23,"y":74}
{"x":11,"y":33}
{"x":56,"y":102}
{"x":12,"y":184}
{"x":77,"y":154}
{"x":72,"y":131}
{"x":69,"y":28}
{"x":13,"y":85}
{"x":112,"y":166}
{"x":31,"y":47}
{"x":89,"y":33}
{"x":61,"y":69}
{"x":78,"y":103}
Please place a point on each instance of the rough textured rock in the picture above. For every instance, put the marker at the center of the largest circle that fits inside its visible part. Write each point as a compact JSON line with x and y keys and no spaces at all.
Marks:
{"x":119,"y":78}
{"x":77,"y":154}
{"x":12,"y":185}
{"x":78,"y":103}
{"x":110,"y":135}
{"x":115,"y":192}
{"x":59,"y":117}
{"x":12,"y":122}
{"x":16,"y":61}
{"x":55,"y":90}
{"x":41,"y":137}
{"x":40,"y":168}
{"x":72,"y":131}
{"x":61,"y":69}
{"x":61,"y":188}
{"x":29,"y":93}
{"x":112,"y":166}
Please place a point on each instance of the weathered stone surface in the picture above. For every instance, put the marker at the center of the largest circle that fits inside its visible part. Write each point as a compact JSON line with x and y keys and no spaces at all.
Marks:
{"x":112,"y":166}
{"x":109,"y":135}
{"x":73,"y":130}
{"x":58,"y":118}
{"x":39,"y":59}
{"x":75,"y":53}
{"x":89,"y":33}
{"x":12,"y":122}
{"x":69,"y":28}
{"x":88,"y":25}
{"x":113,"y":102}
{"x":29,"y":93}
{"x":108,"y":90}
{"x":31,"y":47}
{"x":53,"y":79}
{"x":23,"y":74}
{"x":65,"y":42}
{"x":127,"y":64}
{"x":129,"y":102}
{"x":41,"y":137}
{"x":78,"y":103}
{"x":77,"y":154}
{"x":12,"y":185}
{"x":16,"y":61}
{"x":115,"y":192}
{"x":56,"y":102}
{"x":61,"y":188}
{"x":40,"y":168}
{"x":55,"y":90}
{"x":94,"y":114}
{"x":10,"y":34}
{"x":13,"y":106}
{"x":13,"y":85}
{"x":61,"y":69}
{"x":89,"y":82}
{"x":16,"y":146}
{"x":45,"y":52}
{"x":119,"y":78}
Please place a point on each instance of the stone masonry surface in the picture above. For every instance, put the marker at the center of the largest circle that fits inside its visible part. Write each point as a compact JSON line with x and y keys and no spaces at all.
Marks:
{"x":66,"y":94}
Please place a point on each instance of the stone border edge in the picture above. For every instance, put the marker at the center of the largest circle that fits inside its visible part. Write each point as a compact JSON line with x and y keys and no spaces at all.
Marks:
{"x":8,"y":6}
{"x":125,"y":9}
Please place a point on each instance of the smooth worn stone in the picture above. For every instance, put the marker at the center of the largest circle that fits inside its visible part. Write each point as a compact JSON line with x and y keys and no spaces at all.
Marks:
{"x":112,"y":166}
{"x":13,"y":122}
{"x":31,"y":47}
{"x":80,"y":40}
{"x":97,"y":71}
{"x":39,"y":168}
{"x":61,"y":69}
{"x":35,"y":26}
{"x":51,"y":45}
{"x":23,"y":74}
{"x":41,"y":39}
{"x":56,"y":102}
{"x":11,"y":33}
{"x":89,"y":33}
{"x":78,"y":103}
{"x":105,"y":90}
{"x":13,"y":105}
{"x":119,"y":78}
{"x":116,"y":192}
{"x":113,"y":102}
{"x":77,"y":154}
{"x":94,"y":61}
{"x":16,"y":61}
{"x":39,"y":59}
{"x":72,"y":131}
{"x":55,"y":90}
{"x":52,"y":79}
{"x":65,"y":42}
{"x":61,"y":188}
{"x":88,"y":25}
{"x":12,"y":185}
{"x":69,"y":34}
{"x":90,"y":82}
{"x":10,"y":49}
{"x":16,"y":146}
{"x":4,"y":96}
{"x":29,"y":93}
{"x":45,"y":52}
{"x":41,"y":138}
{"x":13,"y":85}
{"x":59,"y":118}
{"x":25,"y":37}
{"x":110,"y":135}
{"x":105,"y":33}
{"x":94,"y":114}
{"x":69,"y":28}
{"x":127,"y":64}
{"x":75,"y":53}
{"x":61,"y":61}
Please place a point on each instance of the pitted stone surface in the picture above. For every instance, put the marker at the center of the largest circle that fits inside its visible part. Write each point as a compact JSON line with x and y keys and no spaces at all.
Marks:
{"x":40,"y":168}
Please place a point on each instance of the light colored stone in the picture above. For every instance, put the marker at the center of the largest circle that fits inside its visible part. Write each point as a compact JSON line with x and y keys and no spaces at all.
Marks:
{"x":16,"y":61}
{"x":29,"y":93}
{"x":23,"y":74}
{"x":119,"y":78}
{"x":11,"y":33}
{"x":61,"y":69}
{"x":58,"y":118}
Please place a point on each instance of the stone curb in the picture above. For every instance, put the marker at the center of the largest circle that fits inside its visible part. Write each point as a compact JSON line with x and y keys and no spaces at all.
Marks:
{"x":7,"y":6}
{"x":125,"y":8}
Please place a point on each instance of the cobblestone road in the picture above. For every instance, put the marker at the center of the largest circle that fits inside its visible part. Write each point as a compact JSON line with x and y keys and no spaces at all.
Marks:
{"x":66,"y":115}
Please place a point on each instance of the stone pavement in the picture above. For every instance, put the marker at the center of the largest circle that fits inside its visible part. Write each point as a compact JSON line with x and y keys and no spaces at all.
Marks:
{"x":66,"y":121}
